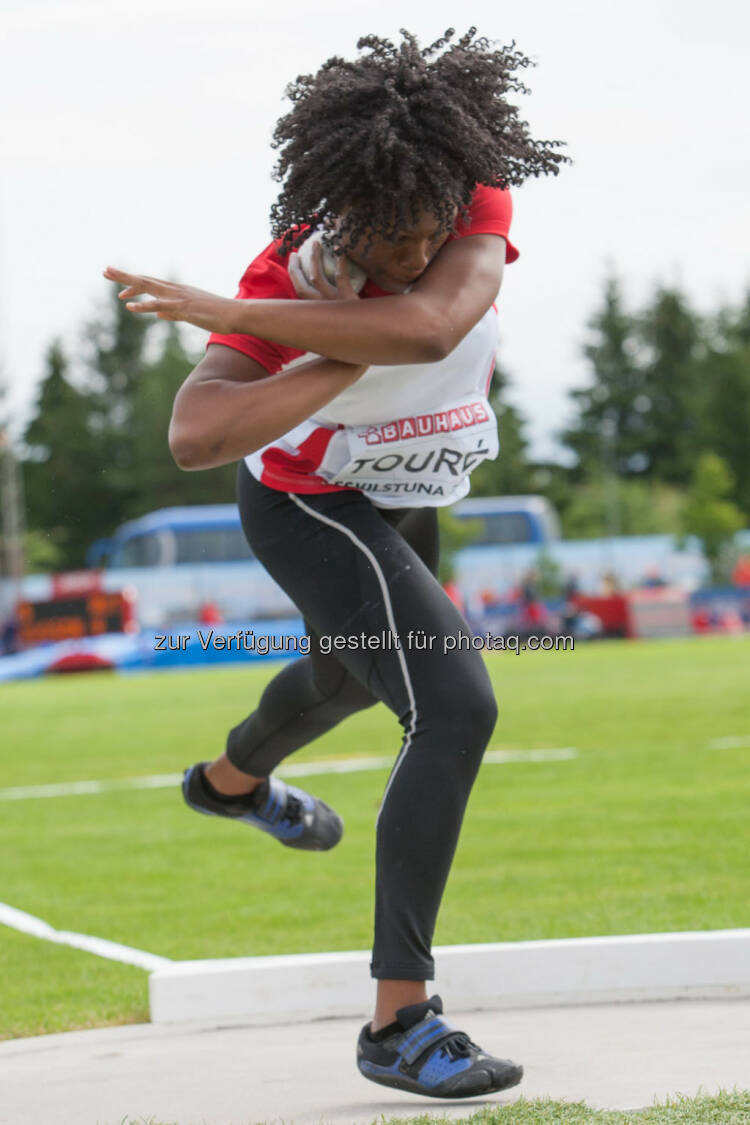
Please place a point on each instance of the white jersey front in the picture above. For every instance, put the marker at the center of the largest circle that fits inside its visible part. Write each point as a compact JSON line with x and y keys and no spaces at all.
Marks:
{"x":407,"y":435}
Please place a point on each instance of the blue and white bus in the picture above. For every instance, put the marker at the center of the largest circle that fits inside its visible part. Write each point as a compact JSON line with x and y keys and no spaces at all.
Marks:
{"x":178,"y":559}
{"x":211,"y":533}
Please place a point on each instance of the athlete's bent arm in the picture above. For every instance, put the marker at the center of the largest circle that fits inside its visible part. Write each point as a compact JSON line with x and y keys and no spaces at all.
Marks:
{"x":422,"y":326}
{"x":230,"y":406}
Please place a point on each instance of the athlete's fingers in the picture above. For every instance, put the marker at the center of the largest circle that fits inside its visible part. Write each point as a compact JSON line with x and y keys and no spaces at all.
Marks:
{"x":344,"y":286}
{"x":124,"y":278}
{"x":167,"y":310}
{"x":113,"y":274}
{"x":132,"y":289}
{"x":140,"y":282}
{"x":302,"y":287}
{"x":321,"y":282}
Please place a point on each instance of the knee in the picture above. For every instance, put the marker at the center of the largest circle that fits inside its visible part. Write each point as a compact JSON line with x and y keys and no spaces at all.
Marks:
{"x":466,"y":715}
{"x":484,"y":712}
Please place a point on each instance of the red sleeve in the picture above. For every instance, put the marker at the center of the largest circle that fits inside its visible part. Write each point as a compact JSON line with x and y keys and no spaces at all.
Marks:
{"x":490,"y":212}
{"x":266,"y":276}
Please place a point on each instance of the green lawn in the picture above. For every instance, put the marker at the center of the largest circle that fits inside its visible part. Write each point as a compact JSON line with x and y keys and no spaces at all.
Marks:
{"x":645,"y":831}
{"x":723,"y":1109}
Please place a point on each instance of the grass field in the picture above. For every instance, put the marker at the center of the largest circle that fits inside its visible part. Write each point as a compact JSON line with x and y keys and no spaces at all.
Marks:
{"x":722,"y":1109}
{"x":646,"y":830}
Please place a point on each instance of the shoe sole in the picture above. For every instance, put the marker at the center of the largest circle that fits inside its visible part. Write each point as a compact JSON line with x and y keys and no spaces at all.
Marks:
{"x":403,"y":1082}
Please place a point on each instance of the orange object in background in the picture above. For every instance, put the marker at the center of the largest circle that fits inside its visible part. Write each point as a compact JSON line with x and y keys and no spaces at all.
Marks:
{"x":74,"y":614}
{"x":741,"y":572}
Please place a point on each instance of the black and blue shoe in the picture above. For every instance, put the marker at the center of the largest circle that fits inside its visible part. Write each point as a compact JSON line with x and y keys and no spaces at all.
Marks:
{"x":291,"y":816}
{"x":424,"y":1055}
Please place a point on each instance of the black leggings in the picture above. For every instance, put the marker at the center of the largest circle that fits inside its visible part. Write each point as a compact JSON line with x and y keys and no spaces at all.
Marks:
{"x":351,"y":568}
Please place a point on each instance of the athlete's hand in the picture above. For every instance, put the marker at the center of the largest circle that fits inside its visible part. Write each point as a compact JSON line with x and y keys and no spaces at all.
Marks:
{"x":175,"y":302}
{"x":319,"y":288}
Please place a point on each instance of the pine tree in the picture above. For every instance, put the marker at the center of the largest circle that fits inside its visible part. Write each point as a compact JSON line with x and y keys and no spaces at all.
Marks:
{"x":726,"y":378}
{"x":66,"y":491}
{"x":610,"y":411}
{"x":156,"y":480}
{"x":116,"y":356}
{"x":510,"y":473}
{"x":670,"y":334}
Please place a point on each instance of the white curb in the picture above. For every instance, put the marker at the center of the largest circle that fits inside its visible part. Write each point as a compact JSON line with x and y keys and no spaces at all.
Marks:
{"x":703,"y":965}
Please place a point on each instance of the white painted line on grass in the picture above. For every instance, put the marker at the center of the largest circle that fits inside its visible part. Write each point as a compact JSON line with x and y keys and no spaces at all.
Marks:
{"x":112,"y":950}
{"x":501,"y":757}
{"x":29,"y":924}
{"x":79,"y":788}
{"x":731,"y":742}
{"x":303,"y":769}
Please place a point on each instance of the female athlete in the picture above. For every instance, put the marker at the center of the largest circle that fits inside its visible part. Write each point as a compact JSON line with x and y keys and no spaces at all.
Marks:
{"x":354,"y":416}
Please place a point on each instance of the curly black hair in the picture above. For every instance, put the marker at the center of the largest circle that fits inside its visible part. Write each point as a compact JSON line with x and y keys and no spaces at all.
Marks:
{"x":399,"y":129}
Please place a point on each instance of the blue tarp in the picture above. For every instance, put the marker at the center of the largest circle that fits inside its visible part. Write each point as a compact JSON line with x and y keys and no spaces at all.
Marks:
{"x":189,"y":646}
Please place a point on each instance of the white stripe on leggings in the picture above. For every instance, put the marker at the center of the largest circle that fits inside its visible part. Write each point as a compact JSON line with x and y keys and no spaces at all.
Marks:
{"x":392,"y":624}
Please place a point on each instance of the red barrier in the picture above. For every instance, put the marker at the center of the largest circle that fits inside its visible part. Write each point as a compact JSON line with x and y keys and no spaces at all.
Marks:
{"x":612,"y":611}
{"x":660,"y":611}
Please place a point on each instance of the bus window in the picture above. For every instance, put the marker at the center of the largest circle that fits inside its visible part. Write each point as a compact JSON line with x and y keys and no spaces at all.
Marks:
{"x":505,"y":527}
{"x":507,"y":520}
{"x":141,"y":550}
{"x":211,"y":545}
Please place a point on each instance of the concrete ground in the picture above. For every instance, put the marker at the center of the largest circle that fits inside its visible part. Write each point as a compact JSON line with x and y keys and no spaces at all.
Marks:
{"x":617,"y":1056}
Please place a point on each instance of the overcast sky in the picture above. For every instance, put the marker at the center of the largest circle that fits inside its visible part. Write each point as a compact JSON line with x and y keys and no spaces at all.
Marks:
{"x":138,"y":134}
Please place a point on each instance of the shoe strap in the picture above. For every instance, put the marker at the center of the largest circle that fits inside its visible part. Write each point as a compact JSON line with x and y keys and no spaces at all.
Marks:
{"x":275,"y":804}
{"x":427,"y":1034}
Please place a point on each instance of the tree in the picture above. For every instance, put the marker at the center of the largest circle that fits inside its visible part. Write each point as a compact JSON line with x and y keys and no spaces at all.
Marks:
{"x":674,"y":398}
{"x":131,"y":409}
{"x":43,"y":552}
{"x":116,"y":356}
{"x":455,"y":534}
{"x":96,"y":448}
{"x":550,"y":580}
{"x":66,"y":492}
{"x":733,"y":325}
{"x":644,"y":410}
{"x":11,"y":504}
{"x":726,"y":377}
{"x":643,"y":508}
{"x":727,"y":417}
{"x":615,"y":400}
{"x":3,"y":406}
{"x":155,"y":479}
{"x":116,"y":346}
{"x":510,"y":473}
{"x":710,"y":516}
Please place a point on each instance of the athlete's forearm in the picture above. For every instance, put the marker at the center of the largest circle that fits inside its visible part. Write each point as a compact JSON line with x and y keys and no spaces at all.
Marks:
{"x":422,"y":326}
{"x":387,"y":330}
{"x":218,"y":421}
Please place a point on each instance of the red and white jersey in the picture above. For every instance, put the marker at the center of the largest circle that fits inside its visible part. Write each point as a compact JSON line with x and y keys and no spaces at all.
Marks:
{"x":407,"y":435}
